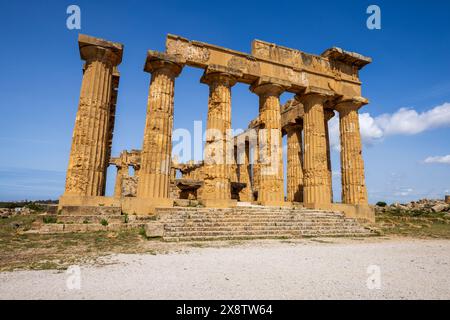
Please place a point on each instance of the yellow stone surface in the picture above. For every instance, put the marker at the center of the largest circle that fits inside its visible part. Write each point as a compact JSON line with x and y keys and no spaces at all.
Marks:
{"x":323,"y":85}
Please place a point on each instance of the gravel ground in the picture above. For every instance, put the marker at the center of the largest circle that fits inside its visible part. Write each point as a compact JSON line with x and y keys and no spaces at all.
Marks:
{"x":304,"y":269}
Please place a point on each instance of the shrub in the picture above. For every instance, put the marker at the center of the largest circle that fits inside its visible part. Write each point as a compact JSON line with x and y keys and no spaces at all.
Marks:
{"x":104,"y":222}
{"x":49,"y":219}
{"x":381,"y":204}
{"x":142,"y":232}
{"x":35,"y":207}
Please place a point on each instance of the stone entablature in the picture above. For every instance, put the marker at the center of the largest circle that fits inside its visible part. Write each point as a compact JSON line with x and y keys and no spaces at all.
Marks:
{"x":336,"y":70}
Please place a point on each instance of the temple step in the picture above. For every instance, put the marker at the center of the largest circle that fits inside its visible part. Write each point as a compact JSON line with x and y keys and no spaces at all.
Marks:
{"x":192,"y":224}
{"x":91,"y":210}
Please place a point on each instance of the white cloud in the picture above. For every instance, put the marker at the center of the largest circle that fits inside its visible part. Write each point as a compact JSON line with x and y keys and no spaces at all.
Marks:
{"x":403,"y":192}
{"x":438,"y":159}
{"x":405,"y":121}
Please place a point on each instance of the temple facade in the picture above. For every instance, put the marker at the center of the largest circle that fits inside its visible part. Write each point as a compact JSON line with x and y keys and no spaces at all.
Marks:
{"x":247,"y":168}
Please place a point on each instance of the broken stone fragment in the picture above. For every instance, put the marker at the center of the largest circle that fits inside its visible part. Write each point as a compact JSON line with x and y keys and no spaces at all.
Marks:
{"x":154,"y":230}
{"x":439,"y":207}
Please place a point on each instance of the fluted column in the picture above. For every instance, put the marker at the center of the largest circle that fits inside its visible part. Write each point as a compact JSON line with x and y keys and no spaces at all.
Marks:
{"x":352,"y":165}
{"x":112,"y":118}
{"x":244,"y":175}
{"x":122,"y":171}
{"x":315,"y":170}
{"x":271,"y":187}
{"x":89,"y":155}
{"x":219,"y":151}
{"x":294,"y":163}
{"x":154,"y":173}
{"x":255,"y":171}
{"x":328,"y":114}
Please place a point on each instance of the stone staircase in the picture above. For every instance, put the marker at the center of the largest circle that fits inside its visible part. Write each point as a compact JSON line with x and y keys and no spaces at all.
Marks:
{"x":253,"y":222}
{"x":193,"y":224}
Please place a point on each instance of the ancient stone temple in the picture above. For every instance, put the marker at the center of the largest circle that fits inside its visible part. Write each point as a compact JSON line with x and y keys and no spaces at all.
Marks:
{"x":237,"y":171}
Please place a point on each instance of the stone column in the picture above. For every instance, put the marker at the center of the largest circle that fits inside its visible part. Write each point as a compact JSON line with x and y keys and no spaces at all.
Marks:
{"x":89,"y":155}
{"x":255,"y":172}
{"x":154,"y":173}
{"x":122,"y":172}
{"x":294,"y":163}
{"x":352,"y":165}
{"x":328,"y":114}
{"x":244,"y":174}
{"x":271,"y":186}
{"x":315,"y":170}
{"x":112,"y":117}
{"x":219,"y":151}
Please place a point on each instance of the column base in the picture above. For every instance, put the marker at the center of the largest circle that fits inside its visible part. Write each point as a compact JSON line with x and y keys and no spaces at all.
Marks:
{"x":144,"y":206}
{"x":360,"y":212}
{"x":129,"y":205}
{"x":318,"y":205}
{"x":219,"y":203}
{"x":88,"y":201}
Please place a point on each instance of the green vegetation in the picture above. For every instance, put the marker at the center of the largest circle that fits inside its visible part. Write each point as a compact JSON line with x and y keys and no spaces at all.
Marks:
{"x":25,"y":203}
{"x":49,"y":219}
{"x":104,"y":222}
{"x":19,"y":250}
{"x":381,"y":204}
{"x":142,"y":233}
{"x":414,"y":223}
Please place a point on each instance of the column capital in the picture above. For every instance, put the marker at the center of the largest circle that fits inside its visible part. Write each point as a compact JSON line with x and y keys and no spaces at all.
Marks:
{"x":160,"y":61}
{"x":350,"y":103}
{"x":315,"y":95}
{"x":92,"y":48}
{"x":328,"y":114}
{"x":292,"y":127}
{"x":266,"y":86}
{"x":219,"y":74}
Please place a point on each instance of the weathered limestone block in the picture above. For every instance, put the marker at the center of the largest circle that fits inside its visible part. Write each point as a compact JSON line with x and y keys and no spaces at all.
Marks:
{"x":316,"y":174}
{"x":352,"y":164}
{"x":154,"y":230}
{"x":154,"y":173}
{"x":218,"y":160}
{"x":89,"y":155}
{"x":335,"y":68}
{"x":294,"y":163}
{"x":129,"y":186}
{"x":271,"y":189}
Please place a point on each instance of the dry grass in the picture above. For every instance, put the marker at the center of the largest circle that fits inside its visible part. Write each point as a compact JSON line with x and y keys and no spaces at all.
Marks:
{"x":415,"y":224}
{"x":19,"y":250}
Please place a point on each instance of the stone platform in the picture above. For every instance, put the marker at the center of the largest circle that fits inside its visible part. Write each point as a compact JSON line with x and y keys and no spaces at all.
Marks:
{"x":253,"y":222}
{"x":193,"y":224}
{"x":88,"y":219}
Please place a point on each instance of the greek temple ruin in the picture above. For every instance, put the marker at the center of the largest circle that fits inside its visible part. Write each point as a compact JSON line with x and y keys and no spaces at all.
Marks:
{"x":324,"y":86}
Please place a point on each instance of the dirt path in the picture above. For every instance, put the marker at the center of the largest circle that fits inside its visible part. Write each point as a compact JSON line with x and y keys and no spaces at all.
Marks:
{"x":304,"y":269}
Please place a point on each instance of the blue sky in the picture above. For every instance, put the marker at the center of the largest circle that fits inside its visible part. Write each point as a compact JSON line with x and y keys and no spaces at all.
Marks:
{"x":41,"y":76}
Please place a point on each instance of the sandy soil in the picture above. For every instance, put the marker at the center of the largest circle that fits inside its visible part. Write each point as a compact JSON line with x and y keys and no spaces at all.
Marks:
{"x":302,"y":269}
